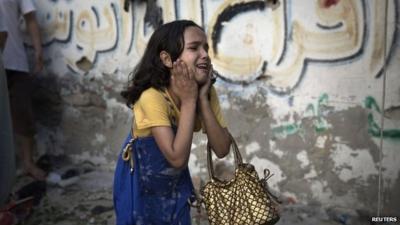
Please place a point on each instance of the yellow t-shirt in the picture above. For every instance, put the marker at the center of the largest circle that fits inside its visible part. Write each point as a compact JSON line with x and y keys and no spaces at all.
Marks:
{"x":152,"y":109}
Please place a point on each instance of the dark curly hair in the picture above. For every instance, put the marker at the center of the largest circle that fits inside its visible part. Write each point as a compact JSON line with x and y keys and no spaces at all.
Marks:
{"x":150,"y":71}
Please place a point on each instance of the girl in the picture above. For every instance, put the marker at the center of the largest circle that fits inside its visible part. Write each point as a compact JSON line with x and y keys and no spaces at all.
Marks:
{"x":171,"y":94}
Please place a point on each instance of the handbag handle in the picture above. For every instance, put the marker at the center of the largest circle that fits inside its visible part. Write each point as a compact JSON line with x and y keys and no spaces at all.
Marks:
{"x":236,"y":155}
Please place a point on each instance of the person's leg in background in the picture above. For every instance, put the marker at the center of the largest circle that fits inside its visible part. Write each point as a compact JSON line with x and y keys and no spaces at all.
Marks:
{"x":7,"y":154}
{"x":20,"y":89}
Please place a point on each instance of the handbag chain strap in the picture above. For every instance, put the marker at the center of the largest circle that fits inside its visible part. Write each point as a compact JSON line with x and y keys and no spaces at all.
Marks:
{"x":236,"y":154}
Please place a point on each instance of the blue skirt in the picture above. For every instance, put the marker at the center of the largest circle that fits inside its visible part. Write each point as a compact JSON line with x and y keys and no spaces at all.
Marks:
{"x":154,"y":193}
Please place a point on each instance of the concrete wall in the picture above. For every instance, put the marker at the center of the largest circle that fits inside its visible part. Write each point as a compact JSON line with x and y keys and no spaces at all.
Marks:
{"x":306,"y":87}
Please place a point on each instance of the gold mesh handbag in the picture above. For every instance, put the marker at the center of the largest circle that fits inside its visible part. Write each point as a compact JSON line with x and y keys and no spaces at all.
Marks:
{"x":243,"y":200}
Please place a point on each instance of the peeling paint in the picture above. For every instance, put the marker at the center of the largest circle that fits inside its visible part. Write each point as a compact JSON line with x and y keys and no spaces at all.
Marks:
{"x":275,"y":150}
{"x":261,"y":164}
{"x":252,"y":148}
{"x":303,"y":158}
{"x":393,"y":112}
{"x":98,"y":139}
{"x":321,"y":190}
{"x":311,"y":174}
{"x":321,"y":140}
{"x":349,"y":166}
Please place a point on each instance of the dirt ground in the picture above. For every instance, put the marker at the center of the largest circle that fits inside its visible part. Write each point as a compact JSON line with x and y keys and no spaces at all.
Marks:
{"x":88,"y":200}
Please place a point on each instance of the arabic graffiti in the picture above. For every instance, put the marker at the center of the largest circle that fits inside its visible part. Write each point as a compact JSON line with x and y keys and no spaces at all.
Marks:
{"x":373,"y":128}
{"x":315,"y":112}
{"x":251,"y":40}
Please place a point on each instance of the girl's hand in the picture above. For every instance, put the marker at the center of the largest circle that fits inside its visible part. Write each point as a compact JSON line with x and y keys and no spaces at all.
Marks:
{"x":183,"y":82}
{"x":205,"y":88}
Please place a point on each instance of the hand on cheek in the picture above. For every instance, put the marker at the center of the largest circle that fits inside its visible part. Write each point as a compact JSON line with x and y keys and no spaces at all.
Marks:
{"x":183,"y":82}
{"x":205,"y":88}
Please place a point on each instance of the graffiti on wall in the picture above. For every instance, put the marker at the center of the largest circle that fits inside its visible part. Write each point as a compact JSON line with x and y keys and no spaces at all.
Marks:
{"x":337,"y":33}
{"x":314,"y":111}
{"x":251,"y":40}
{"x":317,"y":112}
{"x":374,"y":124}
{"x":81,"y":32}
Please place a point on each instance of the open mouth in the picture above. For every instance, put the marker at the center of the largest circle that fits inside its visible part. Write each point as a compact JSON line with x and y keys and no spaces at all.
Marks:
{"x":203,"y":66}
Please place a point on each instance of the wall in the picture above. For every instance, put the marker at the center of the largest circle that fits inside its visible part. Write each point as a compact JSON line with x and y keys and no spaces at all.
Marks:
{"x":306,"y":87}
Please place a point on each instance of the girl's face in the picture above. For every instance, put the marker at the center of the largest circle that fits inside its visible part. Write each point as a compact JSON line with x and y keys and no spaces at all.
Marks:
{"x":195,"y":53}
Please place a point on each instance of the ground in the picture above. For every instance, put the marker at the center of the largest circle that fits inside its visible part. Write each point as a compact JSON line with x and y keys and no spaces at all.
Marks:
{"x":87,"y":199}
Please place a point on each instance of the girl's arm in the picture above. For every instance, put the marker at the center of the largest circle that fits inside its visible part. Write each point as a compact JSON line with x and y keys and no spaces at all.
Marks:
{"x":218,"y":137}
{"x":176,"y":148}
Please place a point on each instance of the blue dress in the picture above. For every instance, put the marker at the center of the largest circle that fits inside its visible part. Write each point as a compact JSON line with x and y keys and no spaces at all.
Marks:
{"x":154,"y":193}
